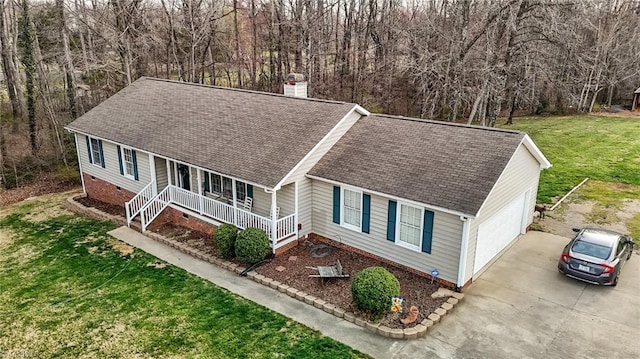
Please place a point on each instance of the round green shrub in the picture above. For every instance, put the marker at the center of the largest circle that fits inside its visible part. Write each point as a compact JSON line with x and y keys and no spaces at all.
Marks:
{"x":252,"y":245}
{"x":225,"y":240}
{"x":372,"y":289}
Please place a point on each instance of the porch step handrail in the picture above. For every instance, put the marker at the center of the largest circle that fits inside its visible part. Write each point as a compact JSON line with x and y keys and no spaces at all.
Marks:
{"x":155,"y":207}
{"x":137,"y":203}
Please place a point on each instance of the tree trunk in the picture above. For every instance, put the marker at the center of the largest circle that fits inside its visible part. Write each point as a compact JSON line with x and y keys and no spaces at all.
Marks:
{"x":12,"y":76}
{"x":26,"y":40}
{"x":68,"y":62}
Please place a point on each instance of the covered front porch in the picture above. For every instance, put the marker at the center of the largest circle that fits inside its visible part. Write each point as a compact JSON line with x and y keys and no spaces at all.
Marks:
{"x":216,"y":199}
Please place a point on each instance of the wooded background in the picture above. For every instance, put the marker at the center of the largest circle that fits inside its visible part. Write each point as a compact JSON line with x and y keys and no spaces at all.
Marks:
{"x":452,"y":60}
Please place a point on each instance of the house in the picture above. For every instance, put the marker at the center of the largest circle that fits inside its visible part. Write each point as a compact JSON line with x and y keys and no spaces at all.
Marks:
{"x":420,"y":194}
{"x":636,"y":100}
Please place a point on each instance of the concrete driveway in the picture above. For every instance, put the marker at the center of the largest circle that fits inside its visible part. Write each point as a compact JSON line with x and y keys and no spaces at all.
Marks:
{"x":521,"y":307}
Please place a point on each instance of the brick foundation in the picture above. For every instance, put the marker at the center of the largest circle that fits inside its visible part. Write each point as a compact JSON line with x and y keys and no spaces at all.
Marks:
{"x":105,"y":191}
{"x":177,"y":217}
{"x":285,"y":248}
{"x":346,"y":247}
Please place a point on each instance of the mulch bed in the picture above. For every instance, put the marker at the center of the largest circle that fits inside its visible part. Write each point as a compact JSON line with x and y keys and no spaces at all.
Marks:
{"x":103,"y":206}
{"x":416,"y":290}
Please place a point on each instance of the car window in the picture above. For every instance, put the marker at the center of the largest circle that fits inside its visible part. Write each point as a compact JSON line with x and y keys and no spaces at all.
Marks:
{"x":620,"y":246}
{"x":591,"y":249}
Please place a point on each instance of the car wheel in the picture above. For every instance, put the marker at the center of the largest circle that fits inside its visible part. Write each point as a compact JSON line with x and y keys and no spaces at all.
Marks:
{"x":615,"y":281}
{"x":630,"y":253}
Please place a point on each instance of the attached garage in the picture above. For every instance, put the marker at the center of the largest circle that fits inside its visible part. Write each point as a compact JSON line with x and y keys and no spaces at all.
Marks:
{"x":496,"y":233}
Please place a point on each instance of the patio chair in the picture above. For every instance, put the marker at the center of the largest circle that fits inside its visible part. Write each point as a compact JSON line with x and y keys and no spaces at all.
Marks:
{"x":248,"y":204}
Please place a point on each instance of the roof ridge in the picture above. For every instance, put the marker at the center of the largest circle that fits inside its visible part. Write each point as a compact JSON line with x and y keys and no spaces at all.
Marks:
{"x":442,"y":123}
{"x":244,"y":90}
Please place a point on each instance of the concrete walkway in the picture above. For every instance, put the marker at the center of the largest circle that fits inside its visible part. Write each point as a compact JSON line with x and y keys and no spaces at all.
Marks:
{"x":338,"y":329}
{"x":520,"y":308}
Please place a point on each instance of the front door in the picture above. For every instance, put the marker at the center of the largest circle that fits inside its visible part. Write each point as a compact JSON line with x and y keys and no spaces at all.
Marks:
{"x":184,"y":178}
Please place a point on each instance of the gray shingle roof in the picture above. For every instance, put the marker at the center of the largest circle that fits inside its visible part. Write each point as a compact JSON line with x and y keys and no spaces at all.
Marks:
{"x":258,"y":137}
{"x":440,"y":164}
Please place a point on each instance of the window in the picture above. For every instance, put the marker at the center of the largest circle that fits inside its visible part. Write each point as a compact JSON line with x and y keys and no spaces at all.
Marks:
{"x":95,"y":152}
{"x":241,"y":190}
{"x":216,"y":183}
{"x":227,"y":187}
{"x":224,"y":186}
{"x":128,"y":163}
{"x":352,"y":209}
{"x":410,"y":226}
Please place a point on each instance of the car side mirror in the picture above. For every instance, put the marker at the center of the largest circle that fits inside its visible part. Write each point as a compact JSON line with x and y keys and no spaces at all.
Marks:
{"x":576,"y":229}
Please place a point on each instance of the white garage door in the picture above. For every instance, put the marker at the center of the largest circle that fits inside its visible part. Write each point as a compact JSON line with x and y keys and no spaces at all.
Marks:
{"x":498,"y":231}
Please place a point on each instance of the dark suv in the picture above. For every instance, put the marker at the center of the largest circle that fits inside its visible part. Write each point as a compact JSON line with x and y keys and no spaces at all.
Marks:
{"x":596,"y":256}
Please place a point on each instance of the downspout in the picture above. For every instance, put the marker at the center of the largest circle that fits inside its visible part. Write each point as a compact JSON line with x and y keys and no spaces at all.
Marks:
{"x":84,"y":189}
{"x":464,"y":245}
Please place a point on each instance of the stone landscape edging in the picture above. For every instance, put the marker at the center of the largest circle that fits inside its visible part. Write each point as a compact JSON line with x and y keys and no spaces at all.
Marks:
{"x":417,"y":331}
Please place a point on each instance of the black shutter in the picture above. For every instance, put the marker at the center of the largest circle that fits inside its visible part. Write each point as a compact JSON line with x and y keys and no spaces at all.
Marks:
{"x":135,"y":164}
{"x":391,"y":221}
{"x":366,"y":212}
{"x":120,"y":160}
{"x":336,"y":204}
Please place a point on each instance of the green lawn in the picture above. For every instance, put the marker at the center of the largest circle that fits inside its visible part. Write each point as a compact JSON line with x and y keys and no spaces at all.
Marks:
{"x":68,"y":290}
{"x":601,"y":148}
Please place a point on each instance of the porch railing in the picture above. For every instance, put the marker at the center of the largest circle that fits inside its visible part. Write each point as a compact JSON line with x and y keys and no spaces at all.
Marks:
{"x":135,"y":205}
{"x":220,"y":211}
{"x":286,"y":226}
{"x":154,"y":207}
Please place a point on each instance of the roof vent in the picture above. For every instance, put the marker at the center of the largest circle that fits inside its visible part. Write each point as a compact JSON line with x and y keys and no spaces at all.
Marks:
{"x":295,"y":86}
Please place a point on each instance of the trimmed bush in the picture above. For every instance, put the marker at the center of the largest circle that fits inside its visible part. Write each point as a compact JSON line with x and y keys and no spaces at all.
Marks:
{"x":225,"y":240}
{"x":372,"y":289}
{"x":252,"y":245}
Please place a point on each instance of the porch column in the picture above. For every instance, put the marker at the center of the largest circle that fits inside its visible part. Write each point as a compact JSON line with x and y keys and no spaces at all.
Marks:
{"x":175,"y":174}
{"x":200,"y":200}
{"x":168,"y":172}
{"x":274,"y":220}
{"x":152,"y":170}
{"x":295,"y":206}
{"x":233,"y":198}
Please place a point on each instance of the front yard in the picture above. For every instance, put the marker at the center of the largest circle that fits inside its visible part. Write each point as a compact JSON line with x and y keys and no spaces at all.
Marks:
{"x":69,"y":290}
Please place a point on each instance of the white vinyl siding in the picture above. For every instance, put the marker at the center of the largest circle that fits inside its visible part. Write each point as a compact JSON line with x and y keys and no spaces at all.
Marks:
{"x":521,"y":174}
{"x":285,"y":199}
{"x":111,"y":172}
{"x":161,"y":172}
{"x":351,"y":208}
{"x":409,"y":227}
{"x":305,"y":199}
{"x":445,"y":249}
